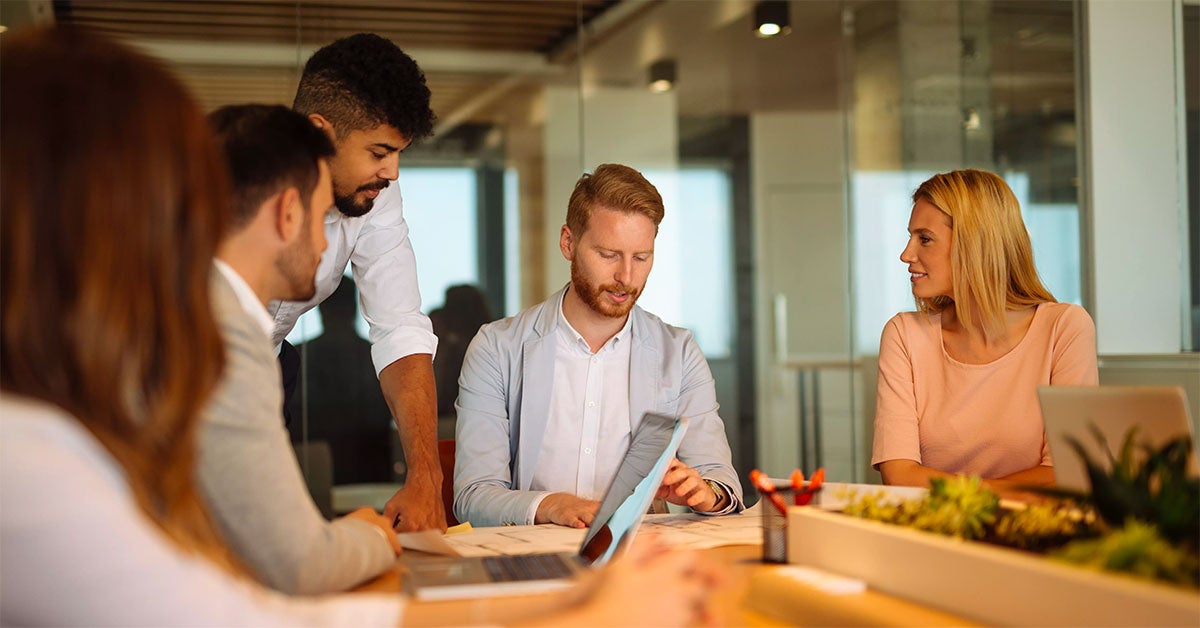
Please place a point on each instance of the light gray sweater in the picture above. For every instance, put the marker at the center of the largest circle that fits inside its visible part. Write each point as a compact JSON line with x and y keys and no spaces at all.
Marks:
{"x":249,"y":475}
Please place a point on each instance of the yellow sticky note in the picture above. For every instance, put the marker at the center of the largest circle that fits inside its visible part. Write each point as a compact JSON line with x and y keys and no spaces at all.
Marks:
{"x":459,"y":529}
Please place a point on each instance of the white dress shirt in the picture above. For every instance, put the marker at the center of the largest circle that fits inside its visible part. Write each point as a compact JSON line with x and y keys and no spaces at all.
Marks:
{"x":587,"y":433}
{"x":123,"y":571}
{"x":377,"y":248}
{"x":507,"y":385}
{"x":246,"y":297}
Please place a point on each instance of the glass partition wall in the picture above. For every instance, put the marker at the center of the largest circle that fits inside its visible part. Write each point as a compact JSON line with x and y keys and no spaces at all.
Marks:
{"x":786,"y":163}
{"x":820,"y":135}
{"x":947,"y":85}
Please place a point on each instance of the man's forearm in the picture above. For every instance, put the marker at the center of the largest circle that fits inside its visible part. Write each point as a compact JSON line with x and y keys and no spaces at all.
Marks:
{"x":408,"y":387}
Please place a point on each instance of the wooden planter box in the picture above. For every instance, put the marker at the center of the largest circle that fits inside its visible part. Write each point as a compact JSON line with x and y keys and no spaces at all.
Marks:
{"x":978,"y":581}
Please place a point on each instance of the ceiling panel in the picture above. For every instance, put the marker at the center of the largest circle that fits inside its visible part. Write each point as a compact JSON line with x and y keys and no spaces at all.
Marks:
{"x":523,"y":25}
{"x":484,"y":28}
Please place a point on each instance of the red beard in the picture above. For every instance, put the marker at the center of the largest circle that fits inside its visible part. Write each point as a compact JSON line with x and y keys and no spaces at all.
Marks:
{"x":593,"y":295}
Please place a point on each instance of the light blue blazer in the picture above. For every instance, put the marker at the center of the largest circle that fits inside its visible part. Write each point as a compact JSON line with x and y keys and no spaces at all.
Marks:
{"x":501,"y":421}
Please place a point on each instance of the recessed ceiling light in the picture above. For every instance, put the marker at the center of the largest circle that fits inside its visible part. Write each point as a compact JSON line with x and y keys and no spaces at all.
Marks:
{"x":661,"y":76}
{"x":771,"y":18}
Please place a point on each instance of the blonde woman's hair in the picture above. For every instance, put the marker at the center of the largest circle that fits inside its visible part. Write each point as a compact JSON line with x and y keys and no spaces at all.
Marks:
{"x":991,"y":258}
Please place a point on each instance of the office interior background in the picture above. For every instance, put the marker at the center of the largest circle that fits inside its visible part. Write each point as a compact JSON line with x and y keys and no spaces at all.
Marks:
{"x":786,"y":164}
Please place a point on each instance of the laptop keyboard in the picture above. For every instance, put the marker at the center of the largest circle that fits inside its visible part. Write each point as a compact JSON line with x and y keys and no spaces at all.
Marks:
{"x":526,"y":567}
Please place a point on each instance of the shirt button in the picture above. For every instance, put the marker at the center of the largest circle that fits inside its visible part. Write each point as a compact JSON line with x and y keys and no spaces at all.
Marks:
{"x":591,"y":404}
{"x":587,"y":450}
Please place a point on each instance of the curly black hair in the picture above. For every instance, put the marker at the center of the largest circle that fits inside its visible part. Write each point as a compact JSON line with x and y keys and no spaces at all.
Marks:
{"x":362,"y":81}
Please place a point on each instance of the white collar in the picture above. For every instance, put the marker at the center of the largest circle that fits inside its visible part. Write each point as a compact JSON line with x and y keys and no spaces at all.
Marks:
{"x":246,"y":297}
{"x":617,"y":339}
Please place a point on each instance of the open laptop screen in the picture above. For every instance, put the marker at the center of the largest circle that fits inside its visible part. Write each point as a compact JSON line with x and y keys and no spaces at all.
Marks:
{"x":1159,"y":413}
{"x":633,"y":487}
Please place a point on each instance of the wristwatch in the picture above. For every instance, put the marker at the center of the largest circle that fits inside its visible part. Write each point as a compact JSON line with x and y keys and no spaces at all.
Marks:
{"x":719,"y":491}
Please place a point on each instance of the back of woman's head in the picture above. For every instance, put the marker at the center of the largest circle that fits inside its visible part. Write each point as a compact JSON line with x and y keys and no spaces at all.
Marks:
{"x":991,"y":257}
{"x":111,"y":207}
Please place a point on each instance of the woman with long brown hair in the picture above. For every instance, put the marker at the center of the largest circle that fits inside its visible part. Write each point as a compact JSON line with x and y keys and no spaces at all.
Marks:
{"x":958,"y":378}
{"x":111,"y":209}
{"x":89,"y":325}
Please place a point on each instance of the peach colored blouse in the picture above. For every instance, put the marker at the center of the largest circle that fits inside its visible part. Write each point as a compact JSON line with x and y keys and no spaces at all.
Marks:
{"x":975,"y":419}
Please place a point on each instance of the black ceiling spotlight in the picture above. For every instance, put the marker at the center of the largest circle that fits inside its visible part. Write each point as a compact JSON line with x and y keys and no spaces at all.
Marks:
{"x":771,"y":18}
{"x":661,"y":76}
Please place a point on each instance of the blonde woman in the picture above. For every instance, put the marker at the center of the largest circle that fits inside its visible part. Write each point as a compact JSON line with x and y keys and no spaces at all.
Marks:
{"x":958,"y":378}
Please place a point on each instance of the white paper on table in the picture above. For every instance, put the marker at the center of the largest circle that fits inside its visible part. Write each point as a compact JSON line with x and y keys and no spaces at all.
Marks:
{"x":430,"y":541}
{"x":687,"y":530}
{"x":546,"y":534}
{"x":477,"y":542}
{"x":473,"y":550}
{"x":700,"y":532}
{"x":509,"y":540}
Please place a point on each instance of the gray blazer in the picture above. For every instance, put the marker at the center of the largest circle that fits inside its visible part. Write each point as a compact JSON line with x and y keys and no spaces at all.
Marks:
{"x":249,"y":476}
{"x":667,"y":375}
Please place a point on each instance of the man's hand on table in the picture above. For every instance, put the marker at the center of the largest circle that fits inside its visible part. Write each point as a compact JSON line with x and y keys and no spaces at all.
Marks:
{"x":682,"y":485}
{"x":566,"y":510}
{"x":408,"y":388}
{"x":416,"y":506}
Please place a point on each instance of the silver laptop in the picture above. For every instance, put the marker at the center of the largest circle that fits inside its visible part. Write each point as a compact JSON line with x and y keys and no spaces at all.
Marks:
{"x":651,"y":449}
{"x":1159,"y":412}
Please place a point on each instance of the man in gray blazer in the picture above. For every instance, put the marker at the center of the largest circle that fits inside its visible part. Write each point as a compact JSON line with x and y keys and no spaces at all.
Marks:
{"x":281,"y":191}
{"x":549,"y":398}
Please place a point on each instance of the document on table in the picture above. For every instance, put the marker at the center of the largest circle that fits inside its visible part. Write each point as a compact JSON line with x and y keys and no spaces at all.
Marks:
{"x":678,"y":530}
{"x":430,"y":541}
{"x":699,"y":532}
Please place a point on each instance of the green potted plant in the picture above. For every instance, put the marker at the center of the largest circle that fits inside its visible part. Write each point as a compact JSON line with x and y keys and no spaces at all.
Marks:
{"x":1141,"y":517}
{"x":993,"y":563}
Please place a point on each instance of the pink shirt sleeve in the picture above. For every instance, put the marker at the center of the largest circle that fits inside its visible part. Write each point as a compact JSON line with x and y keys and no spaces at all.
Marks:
{"x":1074,"y":349}
{"x":1074,"y":360}
{"x":897,"y":434}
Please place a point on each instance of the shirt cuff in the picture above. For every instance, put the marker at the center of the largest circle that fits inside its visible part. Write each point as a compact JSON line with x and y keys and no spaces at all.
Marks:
{"x":531,"y":515}
{"x":729,"y":508}
{"x":401,"y":343}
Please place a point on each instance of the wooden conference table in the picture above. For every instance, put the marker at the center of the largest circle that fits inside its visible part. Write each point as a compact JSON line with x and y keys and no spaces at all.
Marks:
{"x":758,"y":596}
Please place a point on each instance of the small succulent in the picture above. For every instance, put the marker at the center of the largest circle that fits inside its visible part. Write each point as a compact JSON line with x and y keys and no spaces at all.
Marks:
{"x":1040,"y":526}
{"x":876,"y":506}
{"x":959,"y":506}
{"x":1136,"y":548}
